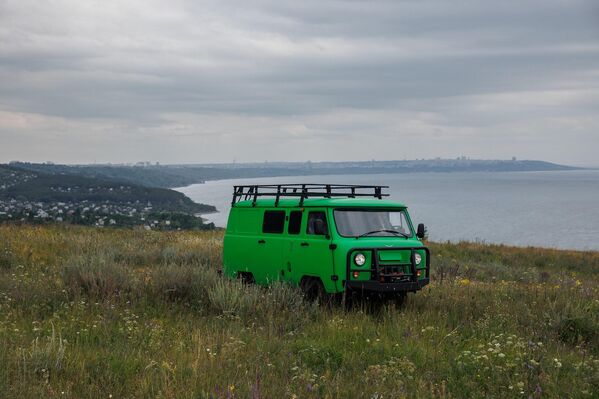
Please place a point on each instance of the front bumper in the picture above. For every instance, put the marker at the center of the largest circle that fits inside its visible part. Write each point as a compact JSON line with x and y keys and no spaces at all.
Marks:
{"x":375,"y":286}
{"x":380,"y":280}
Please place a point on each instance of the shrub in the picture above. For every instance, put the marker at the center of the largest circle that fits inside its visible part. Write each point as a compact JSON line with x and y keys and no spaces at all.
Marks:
{"x":445,"y":270}
{"x":575,"y":330}
{"x":280,"y":305}
{"x":182,"y":283}
{"x":97,"y":276}
{"x":233,"y":298}
{"x":282,"y":296}
{"x":172,"y":255}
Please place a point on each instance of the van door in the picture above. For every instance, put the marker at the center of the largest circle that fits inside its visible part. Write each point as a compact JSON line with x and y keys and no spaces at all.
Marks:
{"x":271,"y":244}
{"x":294,"y":228}
{"x":310,"y":254}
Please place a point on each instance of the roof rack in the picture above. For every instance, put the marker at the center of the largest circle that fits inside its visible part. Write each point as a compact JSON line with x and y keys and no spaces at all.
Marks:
{"x":303,"y":191}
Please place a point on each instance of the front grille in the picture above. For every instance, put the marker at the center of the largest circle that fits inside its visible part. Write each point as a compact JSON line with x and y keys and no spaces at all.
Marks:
{"x":392,"y":265}
{"x":394,"y":273}
{"x":391,"y":273}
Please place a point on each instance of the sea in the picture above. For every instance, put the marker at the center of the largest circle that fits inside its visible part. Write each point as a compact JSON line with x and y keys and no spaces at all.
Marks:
{"x":552,"y":209}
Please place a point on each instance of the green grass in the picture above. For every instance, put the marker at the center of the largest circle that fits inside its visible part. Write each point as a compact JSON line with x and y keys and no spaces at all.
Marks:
{"x":127,"y":313}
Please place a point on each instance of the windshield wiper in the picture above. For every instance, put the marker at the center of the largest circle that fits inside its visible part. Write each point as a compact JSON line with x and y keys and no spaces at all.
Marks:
{"x":384,"y":231}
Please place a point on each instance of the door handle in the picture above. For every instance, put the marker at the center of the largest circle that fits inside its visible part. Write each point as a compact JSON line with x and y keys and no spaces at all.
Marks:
{"x":304,"y":244}
{"x":261,"y":242}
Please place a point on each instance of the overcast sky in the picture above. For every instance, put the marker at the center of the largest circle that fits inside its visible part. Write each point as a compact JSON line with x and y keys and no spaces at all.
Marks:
{"x":215,"y":81}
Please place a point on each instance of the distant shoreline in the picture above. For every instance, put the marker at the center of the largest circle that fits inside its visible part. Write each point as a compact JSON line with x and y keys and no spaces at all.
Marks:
{"x":572,"y":169}
{"x":179,"y":189}
{"x":475,"y":200}
{"x":173,"y":176}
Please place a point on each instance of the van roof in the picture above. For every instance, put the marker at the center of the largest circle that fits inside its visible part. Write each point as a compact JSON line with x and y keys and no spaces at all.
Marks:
{"x":321,"y":202}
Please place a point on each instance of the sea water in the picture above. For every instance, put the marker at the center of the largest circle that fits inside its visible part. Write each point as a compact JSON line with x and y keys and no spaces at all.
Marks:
{"x":558,"y":209}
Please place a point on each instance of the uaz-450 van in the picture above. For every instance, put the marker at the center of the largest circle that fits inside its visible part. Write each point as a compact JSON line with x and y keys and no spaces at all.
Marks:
{"x":325,"y":238}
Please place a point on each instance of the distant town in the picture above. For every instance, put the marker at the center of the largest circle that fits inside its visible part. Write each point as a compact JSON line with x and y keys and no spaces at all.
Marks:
{"x":32,"y":197}
{"x":93,"y":214}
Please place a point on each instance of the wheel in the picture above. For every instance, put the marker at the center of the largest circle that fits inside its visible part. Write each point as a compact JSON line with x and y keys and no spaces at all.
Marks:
{"x":246,"y":277}
{"x":314,"y":289}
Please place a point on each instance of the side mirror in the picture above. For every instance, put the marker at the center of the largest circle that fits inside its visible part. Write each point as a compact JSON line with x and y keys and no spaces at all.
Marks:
{"x":421,"y":231}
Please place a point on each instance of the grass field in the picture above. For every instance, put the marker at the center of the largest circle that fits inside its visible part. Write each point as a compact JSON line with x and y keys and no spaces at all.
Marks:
{"x":100,"y":313}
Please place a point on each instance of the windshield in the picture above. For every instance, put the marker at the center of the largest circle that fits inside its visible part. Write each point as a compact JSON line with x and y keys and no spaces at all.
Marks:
{"x":356,"y":223}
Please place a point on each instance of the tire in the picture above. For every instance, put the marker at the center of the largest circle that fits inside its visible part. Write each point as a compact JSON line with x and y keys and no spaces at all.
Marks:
{"x":314,"y":290}
{"x":246,"y":278}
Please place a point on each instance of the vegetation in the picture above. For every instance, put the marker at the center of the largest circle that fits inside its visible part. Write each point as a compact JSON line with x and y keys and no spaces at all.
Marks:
{"x":72,"y":188}
{"x":155,"y":175}
{"x":149,"y":176}
{"x":131,"y":313}
{"x":34,"y":197}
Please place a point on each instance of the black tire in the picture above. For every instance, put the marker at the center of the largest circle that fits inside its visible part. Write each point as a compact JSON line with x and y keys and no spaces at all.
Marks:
{"x":246,"y":278}
{"x":314,"y":289}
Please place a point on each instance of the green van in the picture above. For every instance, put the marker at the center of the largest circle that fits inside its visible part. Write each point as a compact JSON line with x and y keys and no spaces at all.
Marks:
{"x":325,"y":238}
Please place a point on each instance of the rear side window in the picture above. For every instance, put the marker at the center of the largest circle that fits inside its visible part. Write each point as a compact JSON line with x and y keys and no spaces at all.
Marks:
{"x":317,"y":223}
{"x":295,"y":222}
{"x":274,"y":222}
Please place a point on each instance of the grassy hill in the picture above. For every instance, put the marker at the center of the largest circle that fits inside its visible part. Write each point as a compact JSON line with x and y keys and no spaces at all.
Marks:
{"x":37,"y":186}
{"x":40,"y":198}
{"x":155,"y":176}
{"x":150,"y":176}
{"x":52,"y":188}
{"x":130,"y":313}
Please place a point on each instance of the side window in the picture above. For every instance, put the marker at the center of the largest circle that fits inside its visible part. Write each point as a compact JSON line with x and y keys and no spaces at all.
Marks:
{"x":399,"y":222}
{"x":274,"y":222}
{"x":317,"y":223}
{"x":295,"y":222}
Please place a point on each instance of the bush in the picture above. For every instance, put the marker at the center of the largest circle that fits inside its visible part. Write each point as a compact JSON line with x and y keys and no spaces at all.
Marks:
{"x":233,"y":298}
{"x":179,"y":283}
{"x":284,"y":299}
{"x":279,"y":305}
{"x":579,"y":323}
{"x":171,"y":255}
{"x":577,"y":330}
{"x":97,"y":276}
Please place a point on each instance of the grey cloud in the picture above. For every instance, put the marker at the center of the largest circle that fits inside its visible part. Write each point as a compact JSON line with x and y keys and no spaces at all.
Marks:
{"x":270,"y":69}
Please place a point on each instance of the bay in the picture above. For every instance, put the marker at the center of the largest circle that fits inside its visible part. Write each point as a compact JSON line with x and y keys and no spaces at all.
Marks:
{"x":556,"y":209}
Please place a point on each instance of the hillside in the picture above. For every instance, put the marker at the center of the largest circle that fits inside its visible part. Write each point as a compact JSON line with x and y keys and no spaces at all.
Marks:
{"x":52,"y":188}
{"x":170,"y":176}
{"x":150,"y":176}
{"x":35,"y":196}
{"x":131,"y":313}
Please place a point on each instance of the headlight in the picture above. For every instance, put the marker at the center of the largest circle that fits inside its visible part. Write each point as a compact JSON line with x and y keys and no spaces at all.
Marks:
{"x":360,"y":259}
{"x":417,"y":258}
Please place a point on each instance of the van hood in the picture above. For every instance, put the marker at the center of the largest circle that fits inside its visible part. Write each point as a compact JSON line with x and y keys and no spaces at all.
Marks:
{"x":378,"y":242}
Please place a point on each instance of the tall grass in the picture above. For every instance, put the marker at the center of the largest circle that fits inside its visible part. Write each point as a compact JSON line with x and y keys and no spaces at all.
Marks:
{"x":92,"y":313}
{"x":44,"y":358}
{"x":97,"y":276}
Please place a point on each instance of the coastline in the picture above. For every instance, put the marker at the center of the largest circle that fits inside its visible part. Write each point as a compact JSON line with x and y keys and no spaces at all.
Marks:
{"x":494,"y":208}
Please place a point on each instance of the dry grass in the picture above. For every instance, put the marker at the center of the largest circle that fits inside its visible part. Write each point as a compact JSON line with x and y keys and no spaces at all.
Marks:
{"x":129,"y":313}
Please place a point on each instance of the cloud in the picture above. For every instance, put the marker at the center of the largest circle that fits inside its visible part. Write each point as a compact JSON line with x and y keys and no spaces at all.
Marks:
{"x":232,"y":77}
